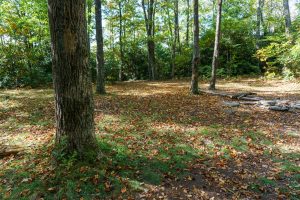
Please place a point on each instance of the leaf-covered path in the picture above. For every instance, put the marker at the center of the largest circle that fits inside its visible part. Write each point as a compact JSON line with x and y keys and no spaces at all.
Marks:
{"x":159,"y":142}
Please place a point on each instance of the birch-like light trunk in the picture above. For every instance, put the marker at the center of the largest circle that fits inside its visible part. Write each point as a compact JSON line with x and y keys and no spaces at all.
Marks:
{"x":212,"y":85}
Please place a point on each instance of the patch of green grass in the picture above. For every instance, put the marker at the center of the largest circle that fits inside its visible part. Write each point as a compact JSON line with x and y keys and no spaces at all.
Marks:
{"x":239,"y":143}
{"x":267,"y":182}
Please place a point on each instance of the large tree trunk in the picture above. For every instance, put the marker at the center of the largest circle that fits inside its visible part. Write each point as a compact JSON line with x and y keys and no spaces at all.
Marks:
{"x":72,"y":84}
{"x":89,"y":22}
{"x":287,"y":16}
{"x":212,"y":85}
{"x":100,"y":89}
{"x":196,"y":50}
{"x":149,"y":15}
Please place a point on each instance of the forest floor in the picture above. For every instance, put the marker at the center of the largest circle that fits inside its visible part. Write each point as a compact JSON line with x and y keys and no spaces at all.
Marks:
{"x":157,"y":142}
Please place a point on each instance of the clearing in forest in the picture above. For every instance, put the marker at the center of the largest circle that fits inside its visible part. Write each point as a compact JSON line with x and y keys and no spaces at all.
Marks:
{"x":157,"y":141}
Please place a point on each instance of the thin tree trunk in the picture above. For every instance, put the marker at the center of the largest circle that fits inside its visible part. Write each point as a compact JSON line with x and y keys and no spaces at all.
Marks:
{"x":260,"y":20}
{"x":196,"y":50}
{"x":177,"y":33}
{"x":187,"y":39}
{"x":215,"y":61}
{"x":72,"y":84}
{"x":100,"y":89}
{"x":176,"y":42}
{"x":121,"y":41}
{"x":171,"y":42}
{"x":149,"y":15}
{"x":287,"y":16}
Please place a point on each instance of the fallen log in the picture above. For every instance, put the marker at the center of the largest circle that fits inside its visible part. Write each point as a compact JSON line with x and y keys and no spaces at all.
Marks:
{"x":251,"y":98}
{"x":248,"y":103}
{"x":279,"y":108}
{"x":241,"y":95}
{"x":215,"y":93}
{"x":8,"y":150}
{"x":232,"y":96}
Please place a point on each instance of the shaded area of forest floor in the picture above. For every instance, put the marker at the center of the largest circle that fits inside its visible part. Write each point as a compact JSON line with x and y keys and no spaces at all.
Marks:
{"x":159,"y":142}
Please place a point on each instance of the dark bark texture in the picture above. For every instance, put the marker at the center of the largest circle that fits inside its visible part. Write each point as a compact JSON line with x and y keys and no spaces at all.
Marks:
{"x":196,"y":50}
{"x":149,"y":15}
{"x":100,"y":89}
{"x":260,"y":19}
{"x":72,"y":84}
{"x":121,"y":42}
{"x":287,"y":16}
{"x":176,"y":42}
{"x":187,"y":37}
{"x":212,"y":85}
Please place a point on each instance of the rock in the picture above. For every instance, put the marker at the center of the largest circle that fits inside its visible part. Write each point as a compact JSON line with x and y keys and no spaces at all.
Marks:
{"x":283,"y":102}
{"x":279,"y":108}
{"x":231,"y":104}
{"x":248,"y":103}
{"x":251,"y":98}
{"x":240,"y":95}
{"x":297,"y":106}
{"x":268,"y":102}
{"x":230,"y":112}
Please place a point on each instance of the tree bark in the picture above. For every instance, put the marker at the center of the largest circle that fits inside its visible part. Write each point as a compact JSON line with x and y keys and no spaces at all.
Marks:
{"x":72,"y":83}
{"x":196,"y":50}
{"x":287,"y":16}
{"x":260,"y":19}
{"x":215,"y":61}
{"x":100,"y":89}
{"x":187,"y":39}
{"x":121,"y":42}
{"x":149,"y":15}
{"x":176,"y":42}
{"x":89,"y":22}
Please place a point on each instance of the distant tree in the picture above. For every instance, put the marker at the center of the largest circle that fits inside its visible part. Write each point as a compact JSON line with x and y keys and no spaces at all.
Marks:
{"x":100,"y":52}
{"x":196,"y":50}
{"x":120,"y":8}
{"x":287,"y":16}
{"x":72,"y":84}
{"x":187,"y":37}
{"x":149,"y":16}
{"x":259,"y":18}
{"x":176,"y":42}
{"x":215,"y":61}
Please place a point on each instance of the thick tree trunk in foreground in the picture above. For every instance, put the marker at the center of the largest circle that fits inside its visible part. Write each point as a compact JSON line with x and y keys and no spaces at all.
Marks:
{"x":215,"y":61}
{"x":72,"y":84}
{"x":149,"y":15}
{"x":287,"y":16}
{"x":196,"y":50}
{"x":100,"y":53}
{"x":89,"y":22}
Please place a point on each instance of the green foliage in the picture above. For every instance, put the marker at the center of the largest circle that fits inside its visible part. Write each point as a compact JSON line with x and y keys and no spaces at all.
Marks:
{"x":25,"y":56}
{"x":25,"y":43}
{"x":281,"y":53}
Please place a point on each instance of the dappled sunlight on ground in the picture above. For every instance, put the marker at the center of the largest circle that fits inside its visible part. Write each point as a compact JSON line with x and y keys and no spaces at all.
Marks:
{"x":158,"y":141}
